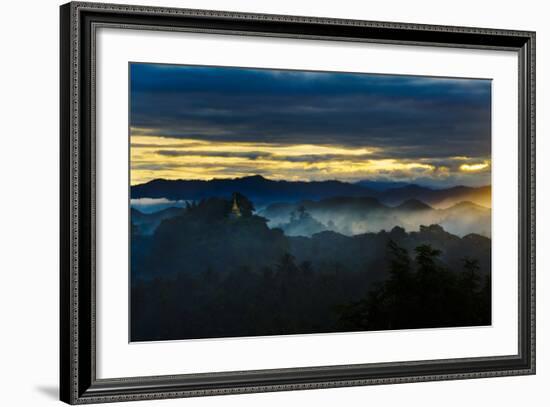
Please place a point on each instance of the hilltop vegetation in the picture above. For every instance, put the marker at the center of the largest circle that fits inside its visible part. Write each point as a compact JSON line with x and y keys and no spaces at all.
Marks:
{"x":207,"y":273}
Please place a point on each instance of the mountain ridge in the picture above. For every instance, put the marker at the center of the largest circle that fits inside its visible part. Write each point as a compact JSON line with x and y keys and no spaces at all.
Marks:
{"x":264,"y":191}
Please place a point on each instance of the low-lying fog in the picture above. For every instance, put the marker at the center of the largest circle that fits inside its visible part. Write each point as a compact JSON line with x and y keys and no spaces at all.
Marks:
{"x":348,"y":216}
{"x":352,"y":218}
{"x":150,"y":205}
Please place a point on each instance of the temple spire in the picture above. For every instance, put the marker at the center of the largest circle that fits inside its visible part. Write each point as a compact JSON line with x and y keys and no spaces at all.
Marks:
{"x":235,"y":210}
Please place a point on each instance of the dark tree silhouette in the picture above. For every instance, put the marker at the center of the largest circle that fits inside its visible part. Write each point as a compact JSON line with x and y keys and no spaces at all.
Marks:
{"x":206,"y":274}
{"x":430,"y":297}
{"x":245,"y":205}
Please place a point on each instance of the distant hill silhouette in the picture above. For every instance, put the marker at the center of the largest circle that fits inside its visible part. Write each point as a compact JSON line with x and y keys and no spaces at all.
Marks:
{"x":381,"y":185}
{"x":413,"y":205}
{"x":258,"y":189}
{"x":356,"y":215}
{"x":440,"y":198}
{"x":263,"y":191}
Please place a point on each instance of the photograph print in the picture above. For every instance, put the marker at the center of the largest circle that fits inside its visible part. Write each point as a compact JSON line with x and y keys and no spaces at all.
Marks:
{"x":276,"y":202}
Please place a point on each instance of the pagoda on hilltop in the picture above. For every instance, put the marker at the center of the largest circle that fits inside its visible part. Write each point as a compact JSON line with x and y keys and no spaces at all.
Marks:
{"x":235,"y":210}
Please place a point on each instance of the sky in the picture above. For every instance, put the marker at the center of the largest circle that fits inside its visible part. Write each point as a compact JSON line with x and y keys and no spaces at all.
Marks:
{"x":200,"y":122}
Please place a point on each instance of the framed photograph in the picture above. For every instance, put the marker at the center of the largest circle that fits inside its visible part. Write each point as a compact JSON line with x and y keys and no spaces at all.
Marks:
{"x":255,"y":203}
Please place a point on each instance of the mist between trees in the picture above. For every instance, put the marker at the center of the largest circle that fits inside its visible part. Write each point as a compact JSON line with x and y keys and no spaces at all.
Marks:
{"x":210,"y":271}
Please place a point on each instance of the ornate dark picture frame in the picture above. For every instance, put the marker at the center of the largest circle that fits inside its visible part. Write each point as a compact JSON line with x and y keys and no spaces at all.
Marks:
{"x":78,"y":381}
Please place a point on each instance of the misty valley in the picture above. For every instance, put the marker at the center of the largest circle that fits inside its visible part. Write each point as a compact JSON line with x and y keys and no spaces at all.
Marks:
{"x":252,"y":256}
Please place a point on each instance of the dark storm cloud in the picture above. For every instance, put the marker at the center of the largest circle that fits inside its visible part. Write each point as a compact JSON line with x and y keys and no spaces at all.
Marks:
{"x":302,"y":158}
{"x":251,"y":155}
{"x":406,"y":116}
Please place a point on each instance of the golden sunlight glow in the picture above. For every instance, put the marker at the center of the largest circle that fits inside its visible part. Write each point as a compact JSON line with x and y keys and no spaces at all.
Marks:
{"x":152,"y":142}
{"x":173,"y":158}
{"x":474,"y":167}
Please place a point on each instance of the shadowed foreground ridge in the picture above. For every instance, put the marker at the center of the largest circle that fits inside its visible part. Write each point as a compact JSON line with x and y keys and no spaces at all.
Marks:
{"x":212,"y":271}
